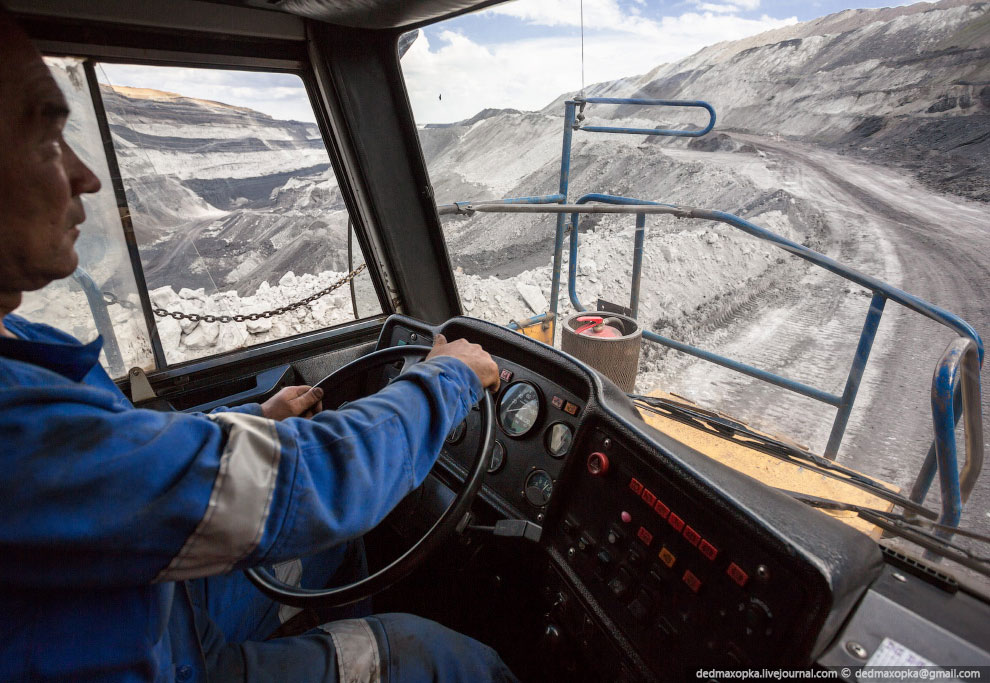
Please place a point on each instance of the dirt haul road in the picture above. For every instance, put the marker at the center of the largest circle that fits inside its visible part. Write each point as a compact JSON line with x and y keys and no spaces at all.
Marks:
{"x":882,"y":223}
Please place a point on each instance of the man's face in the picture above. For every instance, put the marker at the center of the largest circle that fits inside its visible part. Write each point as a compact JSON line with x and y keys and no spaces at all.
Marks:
{"x":41,"y":178}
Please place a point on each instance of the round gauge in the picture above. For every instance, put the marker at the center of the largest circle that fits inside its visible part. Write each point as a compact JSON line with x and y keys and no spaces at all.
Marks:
{"x":519,"y":408}
{"x":498,"y":458}
{"x":538,"y":488}
{"x":457,"y":433}
{"x":557,"y":439}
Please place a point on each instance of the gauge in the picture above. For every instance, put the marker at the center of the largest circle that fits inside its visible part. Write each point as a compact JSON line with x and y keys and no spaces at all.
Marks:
{"x":498,"y":458}
{"x":519,"y":408}
{"x":538,"y":488}
{"x":457,"y":433}
{"x":557,"y":439}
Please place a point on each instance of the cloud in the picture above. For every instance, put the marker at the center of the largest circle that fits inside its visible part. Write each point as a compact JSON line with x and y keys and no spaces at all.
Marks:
{"x":730,"y":6}
{"x":452,"y":77}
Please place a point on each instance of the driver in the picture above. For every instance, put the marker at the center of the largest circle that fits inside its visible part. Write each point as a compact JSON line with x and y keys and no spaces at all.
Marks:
{"x":124,"y":529}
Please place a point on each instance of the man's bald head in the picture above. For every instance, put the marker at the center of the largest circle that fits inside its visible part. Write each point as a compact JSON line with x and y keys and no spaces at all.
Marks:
{"x":41,"y":178}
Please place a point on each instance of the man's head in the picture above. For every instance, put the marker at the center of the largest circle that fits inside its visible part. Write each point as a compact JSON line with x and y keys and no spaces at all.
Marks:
{"x":41,"y":178}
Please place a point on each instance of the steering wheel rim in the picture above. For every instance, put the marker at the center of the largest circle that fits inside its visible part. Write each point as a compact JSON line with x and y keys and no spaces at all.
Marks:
{"x":402,"y":566}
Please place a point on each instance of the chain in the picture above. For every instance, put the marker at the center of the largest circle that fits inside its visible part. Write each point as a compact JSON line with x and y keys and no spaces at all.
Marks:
{"x":240,"y":318}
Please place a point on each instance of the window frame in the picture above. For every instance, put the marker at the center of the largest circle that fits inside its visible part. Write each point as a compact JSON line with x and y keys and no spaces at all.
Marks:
{"x":197,"y":49}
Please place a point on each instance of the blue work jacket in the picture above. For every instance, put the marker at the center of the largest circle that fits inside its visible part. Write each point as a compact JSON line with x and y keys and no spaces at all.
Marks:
{"x":106,"y":508}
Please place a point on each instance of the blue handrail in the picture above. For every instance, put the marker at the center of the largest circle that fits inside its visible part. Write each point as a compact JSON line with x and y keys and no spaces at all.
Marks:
{"x":949,"y":390}
{"x":649,"y":103}
{"x":98,"y":307}
{"x":957,"y":374}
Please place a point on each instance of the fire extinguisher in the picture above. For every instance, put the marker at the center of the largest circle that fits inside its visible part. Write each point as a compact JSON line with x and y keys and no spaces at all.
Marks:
{"x":596,"y":327}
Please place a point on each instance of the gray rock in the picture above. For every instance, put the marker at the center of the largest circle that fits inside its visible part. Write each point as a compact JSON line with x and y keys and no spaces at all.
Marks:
{"x":533,"y":297}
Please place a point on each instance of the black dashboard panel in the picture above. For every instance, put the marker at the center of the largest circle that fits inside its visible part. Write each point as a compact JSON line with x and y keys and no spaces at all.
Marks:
{"x":659,"y":559}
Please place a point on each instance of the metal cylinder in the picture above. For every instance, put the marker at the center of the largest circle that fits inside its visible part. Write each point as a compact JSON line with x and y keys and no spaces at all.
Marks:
{"x":617,"y":357}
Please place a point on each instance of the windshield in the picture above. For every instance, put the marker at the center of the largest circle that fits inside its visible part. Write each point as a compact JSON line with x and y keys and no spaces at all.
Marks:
{"x":862,"y":178}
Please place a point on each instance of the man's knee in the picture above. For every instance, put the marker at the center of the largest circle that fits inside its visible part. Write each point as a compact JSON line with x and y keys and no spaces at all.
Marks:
{"x":417,"y":649}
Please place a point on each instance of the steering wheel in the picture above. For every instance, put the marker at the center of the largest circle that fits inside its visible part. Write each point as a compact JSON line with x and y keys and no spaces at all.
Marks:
{"x":354,"y":380}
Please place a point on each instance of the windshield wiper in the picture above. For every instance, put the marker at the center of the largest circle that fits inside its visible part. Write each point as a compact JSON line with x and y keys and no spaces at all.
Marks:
{"x":732,"y":430}
{"x":910,"y":529}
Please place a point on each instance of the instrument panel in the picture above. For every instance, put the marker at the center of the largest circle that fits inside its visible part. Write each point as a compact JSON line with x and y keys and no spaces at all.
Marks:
{"x":651,"y":548}
{"x":536,"y":422}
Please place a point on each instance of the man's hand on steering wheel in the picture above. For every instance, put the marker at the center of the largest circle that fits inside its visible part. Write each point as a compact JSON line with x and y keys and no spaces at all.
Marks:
{"x":297,"y":401}
{"x":305,"y":401}
{"x":471,"y":355}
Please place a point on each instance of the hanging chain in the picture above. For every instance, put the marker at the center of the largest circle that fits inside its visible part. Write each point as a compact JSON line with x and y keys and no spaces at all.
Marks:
{"x":239,"y":318}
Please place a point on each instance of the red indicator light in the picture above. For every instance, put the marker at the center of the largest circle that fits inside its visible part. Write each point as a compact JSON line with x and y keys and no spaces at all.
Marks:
{"x":691,"y":535}
{"x":625,"y":517}
{"x":635,"y":486}
{"x":661,"y":510}
{"x":570,"y":408}
{"x":692,"y":581}
{"x":645,"y":536}
{"x":505,"y":375}
{"x":736,"y":573}
{"x":648,"y":497}
{"x":707,"y":549}
{"x":557,"y":402}
{"x":675,"y":521}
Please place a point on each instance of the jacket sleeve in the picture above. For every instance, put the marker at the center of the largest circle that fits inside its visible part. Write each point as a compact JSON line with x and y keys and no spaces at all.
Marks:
{"x":99,"y":495}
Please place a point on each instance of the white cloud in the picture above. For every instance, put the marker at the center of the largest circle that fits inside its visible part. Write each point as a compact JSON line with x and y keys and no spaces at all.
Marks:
{"x":734,"y":6}
{"x":454,"y":78}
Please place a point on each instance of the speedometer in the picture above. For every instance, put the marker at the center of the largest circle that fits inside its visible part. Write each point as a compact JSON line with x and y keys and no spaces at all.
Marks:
{"x":519,"y":409}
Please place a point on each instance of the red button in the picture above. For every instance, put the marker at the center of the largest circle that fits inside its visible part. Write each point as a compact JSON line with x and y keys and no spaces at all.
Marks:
{"x":707,"y":549}
{"x":644,"y":535}
{"x":693,"y":582}
{"x":505,"y":375}
{"x":675,"y":521}
{"x":691,"y":535}
{"x":661,"y":510}
{"x":648,"y":497}
{"x":635,"y":486}
{"x":736,"y":573}
{"x":557,"y":402}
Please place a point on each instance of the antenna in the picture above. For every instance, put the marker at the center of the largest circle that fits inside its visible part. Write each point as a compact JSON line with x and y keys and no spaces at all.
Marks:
{"x":582,"y":48}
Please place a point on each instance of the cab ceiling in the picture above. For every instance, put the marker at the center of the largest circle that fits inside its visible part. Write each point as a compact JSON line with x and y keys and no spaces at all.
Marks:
{"x":377,"y":14}
{"x":281,"y":18}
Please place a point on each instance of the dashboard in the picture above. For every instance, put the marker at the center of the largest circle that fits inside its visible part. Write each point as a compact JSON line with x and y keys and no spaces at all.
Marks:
{"x":659,"y":560}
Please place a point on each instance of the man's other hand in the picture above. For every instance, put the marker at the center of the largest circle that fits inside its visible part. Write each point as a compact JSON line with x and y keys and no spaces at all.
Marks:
{"x":471,"y":355}
{"x":299,"y":401}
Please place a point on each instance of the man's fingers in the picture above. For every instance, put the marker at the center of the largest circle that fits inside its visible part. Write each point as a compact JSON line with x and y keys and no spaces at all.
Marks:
{"x":439,"y":340}
{"x":306,"y":400}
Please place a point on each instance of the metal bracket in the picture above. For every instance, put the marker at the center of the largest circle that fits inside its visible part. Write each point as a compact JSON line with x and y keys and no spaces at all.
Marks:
{"x":140,"y":386}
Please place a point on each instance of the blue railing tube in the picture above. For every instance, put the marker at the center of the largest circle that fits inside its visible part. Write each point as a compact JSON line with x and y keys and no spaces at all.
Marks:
{"x":565,"y":175}
{"x":855,"y":374}
{"x":98,"y":307}
{"x":651,"y":103}
{"x":637,"y":266}
{"x":959,"y":366}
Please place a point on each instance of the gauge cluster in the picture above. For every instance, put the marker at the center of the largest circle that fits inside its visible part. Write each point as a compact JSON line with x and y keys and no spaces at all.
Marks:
{"x":536,"y":421}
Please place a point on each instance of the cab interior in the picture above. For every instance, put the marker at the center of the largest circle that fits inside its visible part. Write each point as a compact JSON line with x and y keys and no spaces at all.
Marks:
{"x":631,"y":556}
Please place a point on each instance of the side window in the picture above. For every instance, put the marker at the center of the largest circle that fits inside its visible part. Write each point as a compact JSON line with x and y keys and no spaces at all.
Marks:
{"x":236,"y":210}
{"x":101,"y":297}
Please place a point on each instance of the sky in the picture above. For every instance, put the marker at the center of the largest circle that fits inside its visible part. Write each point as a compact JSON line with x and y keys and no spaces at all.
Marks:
{"x":520,"y":55}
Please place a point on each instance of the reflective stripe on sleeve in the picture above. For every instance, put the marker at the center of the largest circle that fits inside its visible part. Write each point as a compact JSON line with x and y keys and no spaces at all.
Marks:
{"x":357,"y":651}
{"x":240,"y":501}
